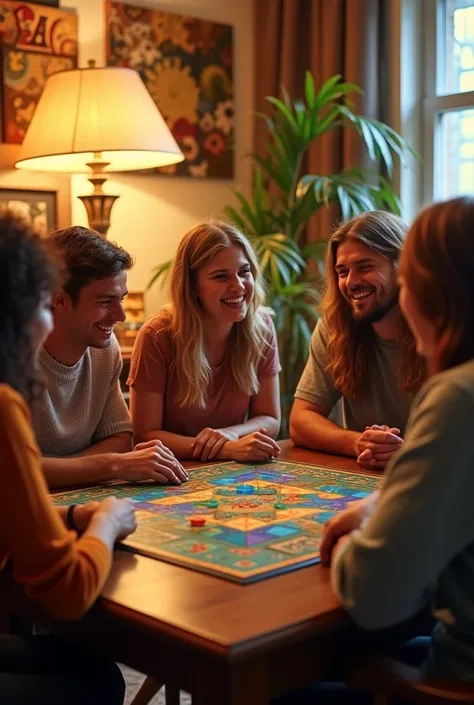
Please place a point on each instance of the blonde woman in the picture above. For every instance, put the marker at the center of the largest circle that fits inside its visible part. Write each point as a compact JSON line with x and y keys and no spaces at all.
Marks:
{"x":204,"y":370}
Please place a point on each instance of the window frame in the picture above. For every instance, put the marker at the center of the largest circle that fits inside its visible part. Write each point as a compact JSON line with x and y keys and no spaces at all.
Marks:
{"x":435,"y":105}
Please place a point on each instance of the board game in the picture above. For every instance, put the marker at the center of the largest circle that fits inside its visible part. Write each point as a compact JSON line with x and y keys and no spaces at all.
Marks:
{"x":239,"y":522}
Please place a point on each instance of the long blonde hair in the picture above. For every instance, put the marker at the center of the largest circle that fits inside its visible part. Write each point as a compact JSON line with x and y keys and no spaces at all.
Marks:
{"x":351,"y":344}
{"x":247,"y":338}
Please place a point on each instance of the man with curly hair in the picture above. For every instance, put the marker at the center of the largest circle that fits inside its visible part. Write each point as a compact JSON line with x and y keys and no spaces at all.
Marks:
{"x":82,"y":423}
{"x":362,"y":353}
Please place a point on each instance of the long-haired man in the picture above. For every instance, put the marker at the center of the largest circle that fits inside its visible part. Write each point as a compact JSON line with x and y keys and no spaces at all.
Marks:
{"x":362,"y":352}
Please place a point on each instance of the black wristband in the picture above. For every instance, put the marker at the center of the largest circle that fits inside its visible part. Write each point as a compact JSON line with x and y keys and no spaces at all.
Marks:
{"x":70,"y":518}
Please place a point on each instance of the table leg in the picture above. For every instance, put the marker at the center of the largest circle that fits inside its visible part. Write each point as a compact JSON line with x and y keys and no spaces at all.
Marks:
{"x":172,"y":695}
{"x":238,"y":684}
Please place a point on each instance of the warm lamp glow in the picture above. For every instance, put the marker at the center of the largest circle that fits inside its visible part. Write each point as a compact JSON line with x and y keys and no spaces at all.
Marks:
{"x":87,"y":111}
{"x":97,"y":120}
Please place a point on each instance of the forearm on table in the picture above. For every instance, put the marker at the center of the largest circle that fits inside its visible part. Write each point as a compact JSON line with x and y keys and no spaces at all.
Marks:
{"x":180,"y":446}
{"x":78,"y":470}
{"x":269,"y":423}
{"x":118,"y":443}
{"x":312,"y":430}
{"x":62,"y":511}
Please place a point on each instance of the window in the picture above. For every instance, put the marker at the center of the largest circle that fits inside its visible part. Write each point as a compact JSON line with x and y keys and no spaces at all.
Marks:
{"x":449,"y":98}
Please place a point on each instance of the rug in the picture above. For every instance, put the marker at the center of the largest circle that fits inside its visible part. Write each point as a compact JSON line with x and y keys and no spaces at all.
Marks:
{"x":133,"y":679}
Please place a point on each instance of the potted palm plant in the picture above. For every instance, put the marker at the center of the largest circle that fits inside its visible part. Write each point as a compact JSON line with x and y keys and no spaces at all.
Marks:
{"x":284,"y":198}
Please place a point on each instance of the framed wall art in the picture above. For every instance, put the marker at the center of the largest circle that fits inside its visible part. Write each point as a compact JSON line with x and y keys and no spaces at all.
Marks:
{"x":37,"y":207}
{"x":187,"y":66}
{"x":35,"y":42}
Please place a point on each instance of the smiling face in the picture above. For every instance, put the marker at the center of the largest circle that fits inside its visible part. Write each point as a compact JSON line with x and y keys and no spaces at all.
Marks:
{"x":225,"y":286}
{"x":90,"y":322}
{"x":366,"y":280}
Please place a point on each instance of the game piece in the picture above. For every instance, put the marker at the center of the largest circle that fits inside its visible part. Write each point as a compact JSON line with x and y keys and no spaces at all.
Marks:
{"x":245,"y":489}
{"x":250,"y":535}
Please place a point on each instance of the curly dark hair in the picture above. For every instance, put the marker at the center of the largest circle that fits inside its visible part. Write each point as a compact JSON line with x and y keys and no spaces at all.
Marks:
{"x":29,"y":271}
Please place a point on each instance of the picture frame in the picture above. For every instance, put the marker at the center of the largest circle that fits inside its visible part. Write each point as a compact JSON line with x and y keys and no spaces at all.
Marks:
{"x":36,"y":41}
{"x":187,"y":65}
{"x":38,"y":207}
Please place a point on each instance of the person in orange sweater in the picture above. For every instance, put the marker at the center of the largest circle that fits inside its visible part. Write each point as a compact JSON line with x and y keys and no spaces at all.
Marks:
{"x":61,"y":556}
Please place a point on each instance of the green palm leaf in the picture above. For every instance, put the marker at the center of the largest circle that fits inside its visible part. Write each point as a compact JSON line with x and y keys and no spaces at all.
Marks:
{"x":284,"y":198}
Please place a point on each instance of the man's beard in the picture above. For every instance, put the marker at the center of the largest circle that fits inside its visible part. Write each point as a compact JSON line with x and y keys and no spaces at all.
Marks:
{"x":378,"y":312}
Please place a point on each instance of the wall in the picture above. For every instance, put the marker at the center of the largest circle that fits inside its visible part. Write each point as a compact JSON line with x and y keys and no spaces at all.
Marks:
{"x":154,"y":212}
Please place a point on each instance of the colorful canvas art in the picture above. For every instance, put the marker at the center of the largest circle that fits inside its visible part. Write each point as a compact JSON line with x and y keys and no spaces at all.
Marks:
{"x":35,"y":41}
{"x":240,"y":522}
{"x":186,"y":64}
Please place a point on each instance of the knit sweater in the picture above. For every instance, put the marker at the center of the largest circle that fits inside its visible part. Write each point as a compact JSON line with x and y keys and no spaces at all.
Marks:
{"x":81,"y":404}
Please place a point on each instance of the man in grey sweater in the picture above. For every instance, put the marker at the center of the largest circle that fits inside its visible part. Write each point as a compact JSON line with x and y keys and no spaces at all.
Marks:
{"x":362,"y":353}
{"x":82,"y":423}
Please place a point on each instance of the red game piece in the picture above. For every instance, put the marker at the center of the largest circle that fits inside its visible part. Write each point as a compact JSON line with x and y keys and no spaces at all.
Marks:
{"x":197,"y":521}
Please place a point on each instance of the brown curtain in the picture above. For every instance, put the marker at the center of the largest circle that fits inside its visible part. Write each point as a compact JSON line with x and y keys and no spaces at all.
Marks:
{"x":327,"y":37}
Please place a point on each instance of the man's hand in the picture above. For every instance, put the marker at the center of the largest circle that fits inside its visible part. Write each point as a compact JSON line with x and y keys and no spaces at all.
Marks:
{"x":209,"y":441}
{"x":255,"y":446}
{"x":149,"y":461}
{"x":376,"y":445}
{"x":343,"y":523}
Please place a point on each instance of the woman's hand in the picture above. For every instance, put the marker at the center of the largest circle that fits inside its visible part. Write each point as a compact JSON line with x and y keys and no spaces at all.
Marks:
{"x":255,"y":446}
{"x":209,"y":442}
{"x":121,"y":515}
{"x":83,"y":513}
{"x":342,"y":524}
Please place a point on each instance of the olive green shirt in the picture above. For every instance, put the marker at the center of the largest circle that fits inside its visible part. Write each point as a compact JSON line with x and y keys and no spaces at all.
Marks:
{"x":418,"y":545}
{"x":384,"y":402}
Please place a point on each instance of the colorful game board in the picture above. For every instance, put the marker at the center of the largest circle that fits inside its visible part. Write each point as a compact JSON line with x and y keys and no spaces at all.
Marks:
{"x":259,"y":521}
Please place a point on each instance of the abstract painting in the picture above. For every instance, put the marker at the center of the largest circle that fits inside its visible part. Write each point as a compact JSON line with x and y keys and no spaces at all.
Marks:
{"x":35,"y":42}
{"x":186,"y":64}
{"x":38,"y":208}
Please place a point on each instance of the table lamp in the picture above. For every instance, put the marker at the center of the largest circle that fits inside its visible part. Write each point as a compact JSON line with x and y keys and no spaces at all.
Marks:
{"x":97,"y":120}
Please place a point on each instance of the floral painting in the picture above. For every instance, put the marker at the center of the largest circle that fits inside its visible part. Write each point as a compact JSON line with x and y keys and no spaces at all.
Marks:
{"x":35,"y":41}
{"x":186,"y":64}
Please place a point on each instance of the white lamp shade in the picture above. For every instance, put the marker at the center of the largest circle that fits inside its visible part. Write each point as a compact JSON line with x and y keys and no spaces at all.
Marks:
{"x":86,"y":111}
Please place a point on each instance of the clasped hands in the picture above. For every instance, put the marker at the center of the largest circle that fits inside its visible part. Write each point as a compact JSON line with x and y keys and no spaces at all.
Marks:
{"x":254,"y":446}
{"x":376,"y":445}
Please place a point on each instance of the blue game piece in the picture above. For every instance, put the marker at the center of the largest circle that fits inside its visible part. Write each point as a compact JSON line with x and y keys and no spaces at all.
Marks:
{"x":245,"y":489}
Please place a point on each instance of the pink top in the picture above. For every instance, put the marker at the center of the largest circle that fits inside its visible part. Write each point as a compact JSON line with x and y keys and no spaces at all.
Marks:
{"x":227,"y":405}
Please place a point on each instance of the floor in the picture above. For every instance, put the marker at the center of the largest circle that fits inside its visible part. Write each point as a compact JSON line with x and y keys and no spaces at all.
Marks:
{"x":134,"y":680}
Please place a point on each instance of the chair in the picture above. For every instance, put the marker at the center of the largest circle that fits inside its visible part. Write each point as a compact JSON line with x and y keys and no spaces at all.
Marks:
{"x":149,"y":689}
{"x":387,"y":678}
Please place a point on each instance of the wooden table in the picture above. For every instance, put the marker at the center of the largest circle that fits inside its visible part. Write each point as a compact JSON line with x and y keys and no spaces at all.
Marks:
{"x":225,"y":643}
